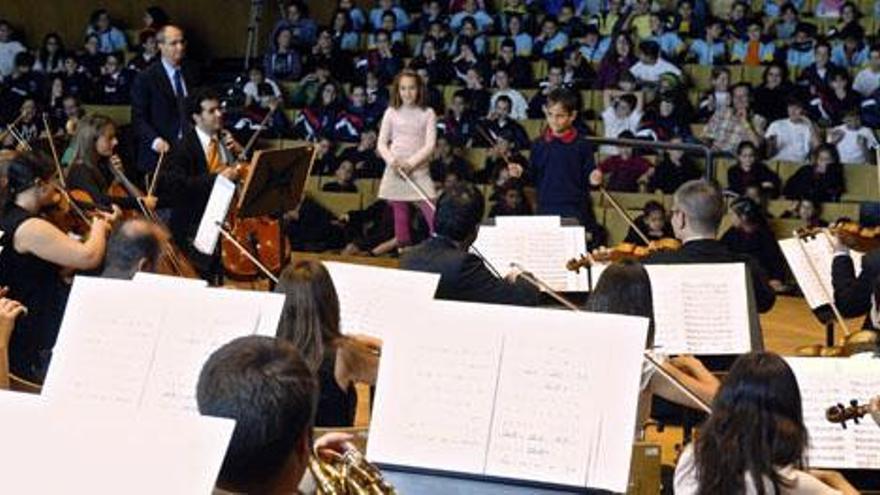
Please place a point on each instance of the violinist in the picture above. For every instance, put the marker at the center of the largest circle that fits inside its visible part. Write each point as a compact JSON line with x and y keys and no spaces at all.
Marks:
{"x":697,"y":211}
{"x":94,"y":145}
{"x":34,"y":253}
{"x":856,"y":295}
{"x":652,"y":222}
{"x":463,"y":275}
{"x":201,"y":155}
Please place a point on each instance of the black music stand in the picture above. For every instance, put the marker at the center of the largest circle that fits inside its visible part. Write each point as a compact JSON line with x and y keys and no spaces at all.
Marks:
{"x":276,"y":185}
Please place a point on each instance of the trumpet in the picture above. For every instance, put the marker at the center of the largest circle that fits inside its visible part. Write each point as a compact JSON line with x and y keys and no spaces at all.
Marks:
{"x":349,"y":473}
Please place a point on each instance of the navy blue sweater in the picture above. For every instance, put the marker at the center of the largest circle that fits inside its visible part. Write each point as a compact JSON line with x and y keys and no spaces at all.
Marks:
{"x":561,"y":168}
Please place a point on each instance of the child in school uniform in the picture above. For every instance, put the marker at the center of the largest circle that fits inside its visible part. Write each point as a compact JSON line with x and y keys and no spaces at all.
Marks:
{"x":562,"y":165}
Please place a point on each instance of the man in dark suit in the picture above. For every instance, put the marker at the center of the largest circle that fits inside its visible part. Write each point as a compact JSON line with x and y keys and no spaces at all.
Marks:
{"x":158,"y":96}
{"x":463,"y":276}
{"x":852,"y":294}
{"x":195,"y":162}
{"x":697,"y":211}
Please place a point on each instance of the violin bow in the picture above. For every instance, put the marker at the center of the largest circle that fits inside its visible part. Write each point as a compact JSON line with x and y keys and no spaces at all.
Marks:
{"x":10,"y":127}
{"x":619,"y":209}
{"x":253,"y":139}
{"x":152,"y":185}
{"x":677,"y":383}
{"x":424,"y":195}
{"x":58,"y":170}
{"x":541,"y":285}
{"x":19,"y":139}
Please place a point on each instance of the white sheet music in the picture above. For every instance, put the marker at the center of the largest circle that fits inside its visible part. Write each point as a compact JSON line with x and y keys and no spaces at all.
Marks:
{"x":528,"y":221}
{"x":215,"y":211}
{"x":700,"y":308}
{"x":511,"y":392}
{"x":817,"y":291}
{"x":145,"y":348}
{"x":825,"y":382}
{"x":541,"y":250}
{"x":65,"y":448}
{"x":366,"y":292}
{"x":189,"y":338}
{"x":166,"y":280}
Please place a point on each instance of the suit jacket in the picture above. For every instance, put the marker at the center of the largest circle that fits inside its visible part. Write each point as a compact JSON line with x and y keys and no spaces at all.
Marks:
{"x":185,"y":186}
{"x":464,"y":277}
{"x":713,"y":251}
{"x":852,"y":294}
{"x":154,"y":110}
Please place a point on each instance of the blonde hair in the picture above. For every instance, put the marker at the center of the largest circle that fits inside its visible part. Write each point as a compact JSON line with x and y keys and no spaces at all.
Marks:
{"x":88,"y":130}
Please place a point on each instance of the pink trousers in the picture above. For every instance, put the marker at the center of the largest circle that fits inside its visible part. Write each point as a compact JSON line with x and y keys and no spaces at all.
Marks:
{"x":400,"y":209}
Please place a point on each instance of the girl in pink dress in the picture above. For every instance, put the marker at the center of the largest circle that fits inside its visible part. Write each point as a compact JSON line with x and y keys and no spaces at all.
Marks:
{"x":406,"y":143}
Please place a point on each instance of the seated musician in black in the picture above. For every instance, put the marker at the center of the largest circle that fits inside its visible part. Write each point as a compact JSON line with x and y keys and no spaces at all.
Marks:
{"x":133,"y":247}
{"x":34,"y":252}
{"x":90,"y":171}
{"x":186,"y":181}
{"x":265,"y":386}
{"x":856,"y":295}
{"x":696,"y":215}
{"x":463,"y":275}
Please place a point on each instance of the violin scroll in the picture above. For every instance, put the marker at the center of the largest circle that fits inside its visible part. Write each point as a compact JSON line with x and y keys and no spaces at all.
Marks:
{"x":841,"y":414}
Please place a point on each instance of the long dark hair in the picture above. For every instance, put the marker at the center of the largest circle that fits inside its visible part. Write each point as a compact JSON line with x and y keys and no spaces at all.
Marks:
{"x":23,"y":171}
{"x":43,"y":56}
{"x":624,"y":289}
{"x":756,"y":427}
{"x":310,"y":318}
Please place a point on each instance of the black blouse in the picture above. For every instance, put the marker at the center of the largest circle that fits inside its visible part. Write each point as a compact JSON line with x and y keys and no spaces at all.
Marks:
{"x":37,"y":284}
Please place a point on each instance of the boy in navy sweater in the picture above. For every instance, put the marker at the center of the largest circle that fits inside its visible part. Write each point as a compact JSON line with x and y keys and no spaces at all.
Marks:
{"x":561,"y":165}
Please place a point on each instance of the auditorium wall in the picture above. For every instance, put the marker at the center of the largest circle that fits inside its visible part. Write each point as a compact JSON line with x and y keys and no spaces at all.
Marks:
{"x":216,"y":27}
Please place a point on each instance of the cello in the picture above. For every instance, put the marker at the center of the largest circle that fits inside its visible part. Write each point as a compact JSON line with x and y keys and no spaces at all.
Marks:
{"x":261,"y":235}
{"x":172,"y":260}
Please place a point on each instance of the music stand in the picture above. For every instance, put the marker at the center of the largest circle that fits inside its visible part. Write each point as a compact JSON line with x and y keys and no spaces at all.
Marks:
{"x":275,"y":185}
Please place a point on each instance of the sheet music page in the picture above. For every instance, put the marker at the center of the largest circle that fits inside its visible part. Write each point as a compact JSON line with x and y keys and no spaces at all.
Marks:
{"x":821,"y":252}
{"x":189,"y":338}
{"x":105,"y":355}
{"x":435,"y":389}
{"x":529,"y":221}
{"x":65,"y":448}
{"x":825,"y":382}
{"x":541,"y":251}
{"x":548,"y":424}
{"x":144,"y":348}
{"x":507,"y":391}
{"x":366,"y":292}
{"x":165,"y":280}
{"x":215,"y":211}
{"x":269,"y":304}
{"x":700,"y":308}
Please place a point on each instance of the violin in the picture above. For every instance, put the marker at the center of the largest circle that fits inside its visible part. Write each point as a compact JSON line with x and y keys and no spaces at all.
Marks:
{"x":261,"y":235}
{"x":841,"y":414}
{"x":621,"y":252}
{"x":624,"y":250}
